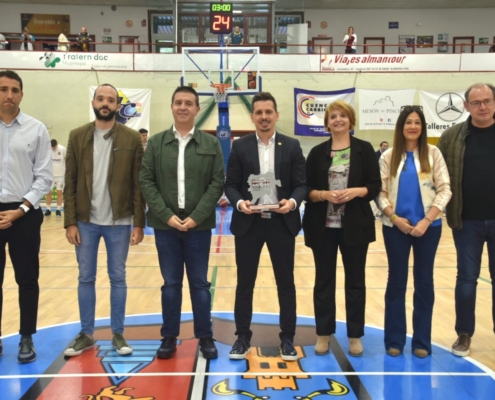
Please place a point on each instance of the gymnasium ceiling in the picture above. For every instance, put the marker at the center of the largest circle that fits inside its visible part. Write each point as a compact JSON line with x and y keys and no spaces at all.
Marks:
{"x":287,"y":4}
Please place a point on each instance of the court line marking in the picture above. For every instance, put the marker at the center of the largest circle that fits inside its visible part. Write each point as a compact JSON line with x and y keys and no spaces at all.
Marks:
{"x":319,"y":373}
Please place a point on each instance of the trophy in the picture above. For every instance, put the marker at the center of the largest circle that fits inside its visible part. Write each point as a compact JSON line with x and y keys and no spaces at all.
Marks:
{"x":261,"y":185}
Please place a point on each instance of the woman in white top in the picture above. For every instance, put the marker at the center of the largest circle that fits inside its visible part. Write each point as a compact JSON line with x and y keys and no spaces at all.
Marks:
{"x":350,"y":40}
{"x":63,"y":42}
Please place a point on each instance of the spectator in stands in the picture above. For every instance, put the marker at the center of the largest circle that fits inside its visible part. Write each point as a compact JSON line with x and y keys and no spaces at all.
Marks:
{"x":350,"y":41}
{"x":63,"y":42}
{"x":27,"y":40}
{"x":83,"y":39}
{"x":381,"y":150}
{"x":492,"y":49}
{"x":236,"y":37}
{"x":3,"y":42}
{"x":310,"y":47}
{"x":144,"y":137}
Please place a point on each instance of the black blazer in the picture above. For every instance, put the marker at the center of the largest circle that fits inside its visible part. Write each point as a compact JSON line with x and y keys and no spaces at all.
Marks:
{"x":378,"y":154}
{"x":358,"y":220}
{"x":289,"y":168}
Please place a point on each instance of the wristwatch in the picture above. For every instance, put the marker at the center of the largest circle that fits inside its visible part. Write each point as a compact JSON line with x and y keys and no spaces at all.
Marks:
{"x":24,"y":208}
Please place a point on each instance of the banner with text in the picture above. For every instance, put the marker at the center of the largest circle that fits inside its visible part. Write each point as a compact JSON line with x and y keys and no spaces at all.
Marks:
{"x":442,"y":109}
{"x":309,"y":109}
{"x":379,"y":109}
{"x":53,"y":24}
{"x":389,"y":62}
{"x":66,"y":61}
{"x":135,"y":107}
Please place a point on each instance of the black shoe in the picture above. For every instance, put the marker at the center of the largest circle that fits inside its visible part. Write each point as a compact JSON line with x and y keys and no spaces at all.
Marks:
{"x":208,"y":348}
{"x":58,"y":214}
{"x":26,"y":350}
{"x":167,"y":348}
{"x":240,"y":348}
{"x":287,"y":350}
{"x":48,"y":212}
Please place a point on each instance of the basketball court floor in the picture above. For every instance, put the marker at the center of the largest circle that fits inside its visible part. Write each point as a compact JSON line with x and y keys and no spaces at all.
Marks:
{"x":100,"y":374}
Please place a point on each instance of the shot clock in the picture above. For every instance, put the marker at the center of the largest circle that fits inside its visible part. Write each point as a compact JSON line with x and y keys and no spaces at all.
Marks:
{"x":220,"y":18}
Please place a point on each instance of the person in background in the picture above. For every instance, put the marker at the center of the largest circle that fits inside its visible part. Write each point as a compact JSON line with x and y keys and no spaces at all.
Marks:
{"x":144,"y":137}
{"x":415,"y":190}
{"x":310,"y":47}
{"x":236,"y":37}
{"x":27,"y":40}
{"x":381,"y":150}
{"x":468,"y":148}
{"x":3,"y":42}
{"x":350,"y":41}
{"x":63,"y":42}
{"x":343,"y":177}
{"x":83,"y":39}
{"x":58,"y":160}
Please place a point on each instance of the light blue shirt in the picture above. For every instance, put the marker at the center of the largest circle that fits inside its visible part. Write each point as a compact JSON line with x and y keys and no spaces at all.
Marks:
{"x":26,"y":170}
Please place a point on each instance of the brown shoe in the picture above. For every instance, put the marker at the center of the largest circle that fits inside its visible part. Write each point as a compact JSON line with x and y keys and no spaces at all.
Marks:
{"x":322,"y":345}
{"x":355,"y":347}
{"x":421,"y":353}
{"x":393,"y":352}
{"x":461,"y":346}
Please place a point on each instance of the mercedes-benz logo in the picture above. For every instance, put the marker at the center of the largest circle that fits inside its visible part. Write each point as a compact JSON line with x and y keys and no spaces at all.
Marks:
{"x":450,"y":106}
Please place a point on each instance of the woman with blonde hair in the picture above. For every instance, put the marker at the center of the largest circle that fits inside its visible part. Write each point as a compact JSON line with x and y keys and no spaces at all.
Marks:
{"x":342,"y":178}
{"x":350,"y":41}
{"x":415,"y":190}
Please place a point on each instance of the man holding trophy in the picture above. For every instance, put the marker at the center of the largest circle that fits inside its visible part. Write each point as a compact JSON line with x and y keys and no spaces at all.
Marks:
{"x":266,"y":183}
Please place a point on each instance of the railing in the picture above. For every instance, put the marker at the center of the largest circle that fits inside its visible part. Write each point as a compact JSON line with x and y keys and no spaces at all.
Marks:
{"x":43,"y":45}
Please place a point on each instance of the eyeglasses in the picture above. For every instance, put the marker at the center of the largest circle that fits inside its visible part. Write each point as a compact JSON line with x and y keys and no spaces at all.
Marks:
{"x":486,"y":102}
{"x":413,"y":106}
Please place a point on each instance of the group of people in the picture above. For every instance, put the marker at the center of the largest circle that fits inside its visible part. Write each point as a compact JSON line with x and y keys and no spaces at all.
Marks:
{"x":109,"y":179}
{"x":27,"y":40}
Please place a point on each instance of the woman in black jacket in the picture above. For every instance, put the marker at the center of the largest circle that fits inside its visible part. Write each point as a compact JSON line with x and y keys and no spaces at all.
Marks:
{"x":342,"y":178}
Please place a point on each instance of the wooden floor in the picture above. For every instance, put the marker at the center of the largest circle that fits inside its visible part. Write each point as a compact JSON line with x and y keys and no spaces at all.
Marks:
{"x":58,"y":282}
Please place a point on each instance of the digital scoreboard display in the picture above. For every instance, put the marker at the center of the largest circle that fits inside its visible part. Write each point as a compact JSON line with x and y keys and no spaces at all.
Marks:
{"x":220,"y":18}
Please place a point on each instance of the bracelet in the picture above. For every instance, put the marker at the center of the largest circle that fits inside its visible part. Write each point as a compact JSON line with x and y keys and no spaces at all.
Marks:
{"x":429,"y":220}
{"x":393,"y":217}
{"x":321,"y":191}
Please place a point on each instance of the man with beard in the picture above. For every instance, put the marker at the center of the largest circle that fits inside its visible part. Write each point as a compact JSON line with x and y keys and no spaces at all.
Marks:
{"x":102,"y":199}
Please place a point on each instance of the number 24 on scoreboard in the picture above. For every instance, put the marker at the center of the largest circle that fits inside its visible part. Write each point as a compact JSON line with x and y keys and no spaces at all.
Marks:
{"x":220,"y":18}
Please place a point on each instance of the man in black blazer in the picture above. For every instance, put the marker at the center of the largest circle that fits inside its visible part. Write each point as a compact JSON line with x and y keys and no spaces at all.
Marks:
{"x":265,"y":152}
{"x":382,"y":149}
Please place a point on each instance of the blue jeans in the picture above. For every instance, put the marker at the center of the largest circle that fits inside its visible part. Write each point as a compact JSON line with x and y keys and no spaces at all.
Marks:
{"x":398,"y":246}
{"x":117,"y":243}
{"x":469,"y":243}
{"x":192,"y":248}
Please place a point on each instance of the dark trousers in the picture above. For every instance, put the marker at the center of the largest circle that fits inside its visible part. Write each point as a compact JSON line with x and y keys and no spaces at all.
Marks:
{"x":281,"y":246}
{"x":24,"y":240}
{"x":354,"y":259}
{"x":398,"y":246}
{"x":469,"y":242}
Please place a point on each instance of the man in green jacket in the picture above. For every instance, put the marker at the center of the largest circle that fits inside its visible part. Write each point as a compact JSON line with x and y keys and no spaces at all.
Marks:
{"x":103,"y":199}
{"x":182,"y":180}
{"x":468,"y":150}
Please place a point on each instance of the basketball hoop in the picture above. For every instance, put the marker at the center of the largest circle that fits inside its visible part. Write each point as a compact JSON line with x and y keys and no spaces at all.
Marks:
{"x":219,"y":91}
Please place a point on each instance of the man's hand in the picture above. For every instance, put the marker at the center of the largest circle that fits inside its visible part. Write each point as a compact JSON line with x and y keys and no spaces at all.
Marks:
{"x":72,"y":234}
{"x":189,"y":223}
{"x":177,"y":223}
{"x":8,"y":217}
{"x":285,"y":206}
{"x":137,"y":235}
{"x":244,"y":207}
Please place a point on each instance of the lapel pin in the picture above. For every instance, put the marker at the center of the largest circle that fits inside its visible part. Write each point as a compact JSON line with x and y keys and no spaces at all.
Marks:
{"x":280,"y":143}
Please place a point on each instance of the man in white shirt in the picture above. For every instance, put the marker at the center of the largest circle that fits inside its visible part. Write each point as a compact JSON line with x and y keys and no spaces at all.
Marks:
{"x":25,"y":176}
{"x":58,"y":161}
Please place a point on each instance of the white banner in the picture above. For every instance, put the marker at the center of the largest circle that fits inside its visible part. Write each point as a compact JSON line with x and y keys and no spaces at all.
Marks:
{"x":379,"y":109}
{"x":389,"y":62}
{"x":442,"y":110}
{"x":135,"y":107}
{"x":68,"y":61}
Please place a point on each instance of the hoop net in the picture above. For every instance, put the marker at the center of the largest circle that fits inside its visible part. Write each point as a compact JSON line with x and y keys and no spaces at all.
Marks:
{"x":219,"y":91}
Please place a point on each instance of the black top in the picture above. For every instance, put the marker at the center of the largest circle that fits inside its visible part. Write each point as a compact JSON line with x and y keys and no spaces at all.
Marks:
{"x":358,"y":221}
{"x":478,"y":178}
{"x":289,"y":168}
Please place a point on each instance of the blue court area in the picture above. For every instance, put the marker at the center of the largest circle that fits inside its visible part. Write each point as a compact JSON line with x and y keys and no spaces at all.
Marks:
{"x":101,"y":374}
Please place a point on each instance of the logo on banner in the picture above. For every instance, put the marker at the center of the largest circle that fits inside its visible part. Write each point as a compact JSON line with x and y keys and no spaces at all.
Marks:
{"x":127,"y":109}
{"x":50,"y":60}
{"x":450,"y":107}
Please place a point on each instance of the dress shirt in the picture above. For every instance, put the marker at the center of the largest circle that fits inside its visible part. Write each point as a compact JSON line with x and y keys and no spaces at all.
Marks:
{"x":26,"y":170}
{"x":181,"y":171}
